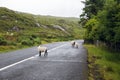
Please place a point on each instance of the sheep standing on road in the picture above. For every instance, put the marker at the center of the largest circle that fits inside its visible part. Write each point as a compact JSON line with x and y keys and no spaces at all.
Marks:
{"x":76,"y":44}
{"x":42,"y":49}
{"x":73,"y":43}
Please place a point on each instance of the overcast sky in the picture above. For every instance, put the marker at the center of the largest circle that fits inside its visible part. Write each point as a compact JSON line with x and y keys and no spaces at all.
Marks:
{"x":63,"y":8}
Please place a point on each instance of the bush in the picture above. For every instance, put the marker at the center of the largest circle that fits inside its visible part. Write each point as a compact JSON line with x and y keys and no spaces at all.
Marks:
{"x":37,"y":41}
{"x":3,"y":41}
{"x":11,"y":43}
{"x":27,"y":42}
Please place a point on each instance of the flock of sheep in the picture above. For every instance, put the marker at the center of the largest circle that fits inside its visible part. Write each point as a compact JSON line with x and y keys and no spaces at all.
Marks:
{"x":44,"y":49}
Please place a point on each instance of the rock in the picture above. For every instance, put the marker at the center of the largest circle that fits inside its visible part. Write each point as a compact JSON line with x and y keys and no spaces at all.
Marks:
{"x":15,"y":28}
{"x":38,"y":25}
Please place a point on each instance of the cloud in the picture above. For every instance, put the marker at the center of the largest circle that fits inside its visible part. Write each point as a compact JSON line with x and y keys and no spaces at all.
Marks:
{"x":64,"y":8}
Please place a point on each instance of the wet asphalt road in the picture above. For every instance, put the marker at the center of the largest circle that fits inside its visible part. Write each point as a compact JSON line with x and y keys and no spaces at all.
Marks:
{"x":62,"y":63}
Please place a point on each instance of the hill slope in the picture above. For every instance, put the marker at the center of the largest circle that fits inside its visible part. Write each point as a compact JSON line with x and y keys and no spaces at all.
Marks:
{"x":18,"y":29}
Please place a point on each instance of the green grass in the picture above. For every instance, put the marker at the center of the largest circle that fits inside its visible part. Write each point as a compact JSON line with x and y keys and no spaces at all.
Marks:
{"x":103,"y":64}
{"x":9,"y":48}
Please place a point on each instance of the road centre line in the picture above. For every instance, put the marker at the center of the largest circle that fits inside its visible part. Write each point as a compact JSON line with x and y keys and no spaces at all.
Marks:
{"x":1,"y":69}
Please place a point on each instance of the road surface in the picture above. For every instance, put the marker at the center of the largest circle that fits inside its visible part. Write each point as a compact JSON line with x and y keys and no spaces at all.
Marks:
{"x":62,"y":63}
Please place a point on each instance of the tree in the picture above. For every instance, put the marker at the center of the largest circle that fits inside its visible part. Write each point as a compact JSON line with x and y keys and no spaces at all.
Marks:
{"x":102,"y":23}
{"x":91,"y":8}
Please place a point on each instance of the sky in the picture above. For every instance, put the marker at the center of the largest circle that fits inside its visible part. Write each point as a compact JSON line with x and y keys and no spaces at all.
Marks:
{"x":62,"y":8}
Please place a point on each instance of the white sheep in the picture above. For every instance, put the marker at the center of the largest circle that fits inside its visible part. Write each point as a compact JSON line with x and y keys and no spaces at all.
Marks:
{"x":42,"y":49}
{"x":73,"y":43}
{"x":76,"y":44}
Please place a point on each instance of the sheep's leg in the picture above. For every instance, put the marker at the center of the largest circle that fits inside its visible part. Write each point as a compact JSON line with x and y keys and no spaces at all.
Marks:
{"x":39,"y":53}
{"x":46,"y":53}
{"x":73,"y":44}
{"x":77,"y":46}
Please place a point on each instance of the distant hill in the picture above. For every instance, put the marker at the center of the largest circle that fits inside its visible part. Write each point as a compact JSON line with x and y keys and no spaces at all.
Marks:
{"x":18,"y":28}
{"x":10,"y":19}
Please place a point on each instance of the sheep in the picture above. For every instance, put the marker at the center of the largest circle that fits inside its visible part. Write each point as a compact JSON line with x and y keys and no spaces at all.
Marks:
{"x":76,"y":44}
{"x":73,"y":43}
{"x":42,"y":49}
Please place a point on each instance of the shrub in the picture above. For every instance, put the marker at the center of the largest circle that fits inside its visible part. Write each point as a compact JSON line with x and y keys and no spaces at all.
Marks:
{"x":27,"y":42}
{"x":3,"y":41}
{"x":11,"y":43}
{"x":37,"y":41}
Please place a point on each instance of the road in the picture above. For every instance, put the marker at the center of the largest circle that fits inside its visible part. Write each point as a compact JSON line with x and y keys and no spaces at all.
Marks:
{"x":62,"y":63}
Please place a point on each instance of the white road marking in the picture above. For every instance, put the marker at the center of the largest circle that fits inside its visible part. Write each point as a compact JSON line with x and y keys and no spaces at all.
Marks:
{"x":1,"y":69}
{"x":15,"y":64}
{"x":56,"y":48}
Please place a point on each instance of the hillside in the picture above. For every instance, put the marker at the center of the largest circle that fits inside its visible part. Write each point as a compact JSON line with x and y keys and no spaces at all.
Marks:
{"x":24,"y":29}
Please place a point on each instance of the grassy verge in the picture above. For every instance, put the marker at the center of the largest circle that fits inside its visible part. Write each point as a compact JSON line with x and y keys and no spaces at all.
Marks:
{"x":103,"y":65}
{"x":9,"y":48}
{"x":27,"y":44}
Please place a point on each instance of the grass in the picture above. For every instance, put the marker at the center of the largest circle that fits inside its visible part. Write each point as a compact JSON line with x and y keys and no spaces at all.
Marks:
{"x":103,"y":64}
{"x":8,"y":48}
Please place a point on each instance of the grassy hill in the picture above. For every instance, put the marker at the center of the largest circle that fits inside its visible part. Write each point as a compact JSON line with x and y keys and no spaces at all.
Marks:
{"x":18,"y":29}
